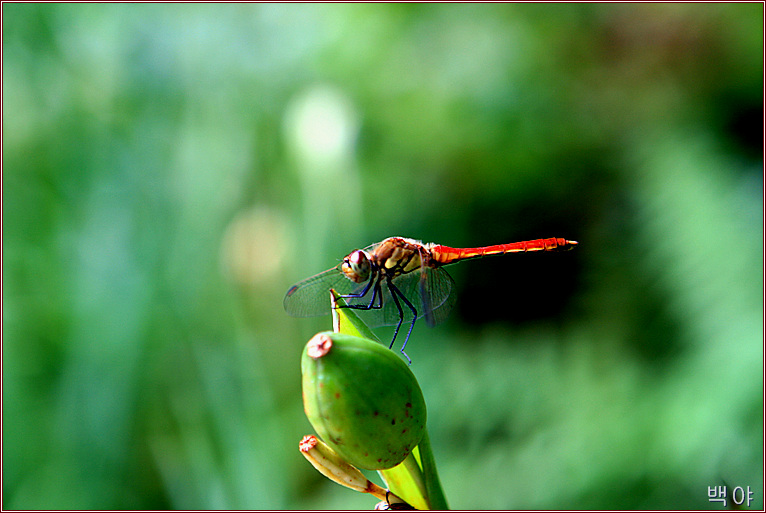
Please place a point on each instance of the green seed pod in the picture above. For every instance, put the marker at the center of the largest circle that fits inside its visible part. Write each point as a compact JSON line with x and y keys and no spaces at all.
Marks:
{"x":362,"y":400}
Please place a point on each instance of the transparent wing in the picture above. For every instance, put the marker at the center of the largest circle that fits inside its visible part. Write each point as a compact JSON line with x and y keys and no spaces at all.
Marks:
{"x":434,"y":289}
{"x":311,"y":297}
{"x":437,"y":290}
{"x":429,"y":291}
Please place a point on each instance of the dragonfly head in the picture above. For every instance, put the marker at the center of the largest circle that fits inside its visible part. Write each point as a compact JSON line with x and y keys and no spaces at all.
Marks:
{"x":356,"y":266}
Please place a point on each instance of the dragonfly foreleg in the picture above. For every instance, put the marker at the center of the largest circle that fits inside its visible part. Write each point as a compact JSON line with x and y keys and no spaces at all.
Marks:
{"x":394,"y":293}
{"x":363,"y":292}
{"x":375,"y":294}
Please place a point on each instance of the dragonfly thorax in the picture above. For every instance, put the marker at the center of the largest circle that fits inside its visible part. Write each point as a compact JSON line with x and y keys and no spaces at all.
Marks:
{"x":396,"y":256}
{"x":356,"y":266}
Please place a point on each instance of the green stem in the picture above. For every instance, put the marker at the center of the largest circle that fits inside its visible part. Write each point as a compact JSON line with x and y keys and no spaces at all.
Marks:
{"x":416,"y":479}
{"x":436,"y":498}
{"x":412,"y":466}
{"x":406,"y":481}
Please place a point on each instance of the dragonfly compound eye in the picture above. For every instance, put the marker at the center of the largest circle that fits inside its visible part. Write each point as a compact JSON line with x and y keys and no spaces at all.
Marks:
{"x":356,"y":266}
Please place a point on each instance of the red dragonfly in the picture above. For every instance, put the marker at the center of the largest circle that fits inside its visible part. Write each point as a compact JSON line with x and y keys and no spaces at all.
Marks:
{"x":398,"y":279}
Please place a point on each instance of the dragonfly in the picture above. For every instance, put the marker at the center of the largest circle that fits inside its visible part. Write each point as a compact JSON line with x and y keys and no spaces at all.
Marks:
{"x":398,"y":280}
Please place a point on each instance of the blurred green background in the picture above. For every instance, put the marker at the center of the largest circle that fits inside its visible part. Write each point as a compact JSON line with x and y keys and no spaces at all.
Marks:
{"x":170,"y":170}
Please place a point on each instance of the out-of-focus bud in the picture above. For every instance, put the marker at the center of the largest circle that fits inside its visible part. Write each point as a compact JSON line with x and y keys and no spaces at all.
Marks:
{"x":363,"y":400}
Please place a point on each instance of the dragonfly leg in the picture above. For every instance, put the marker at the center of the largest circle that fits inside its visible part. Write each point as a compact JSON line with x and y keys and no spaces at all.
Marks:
{"x":394,"y":293}
{"x":363,"y":292}
{"x":375,"y":294}
{"x":401,"y":319}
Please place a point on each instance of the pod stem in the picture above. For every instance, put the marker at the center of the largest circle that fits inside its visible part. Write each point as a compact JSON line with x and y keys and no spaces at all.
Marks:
{"x":434,"y":491}
{"x":416,"y":479}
